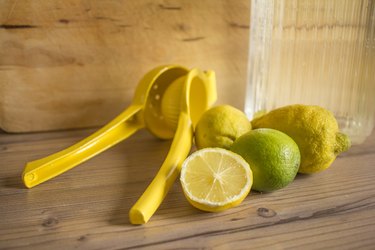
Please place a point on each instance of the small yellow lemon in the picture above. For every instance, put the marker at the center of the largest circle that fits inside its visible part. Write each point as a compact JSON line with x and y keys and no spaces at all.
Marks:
{"x":220,"y":126}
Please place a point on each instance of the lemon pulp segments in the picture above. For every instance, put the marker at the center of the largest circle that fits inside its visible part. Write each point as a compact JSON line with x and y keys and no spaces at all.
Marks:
{"x":215,"y":179}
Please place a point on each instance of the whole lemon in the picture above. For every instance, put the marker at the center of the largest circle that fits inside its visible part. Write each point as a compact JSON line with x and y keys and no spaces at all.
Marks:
{"x":273,"y":157}
{"x":220,"y":126}
{"x":313,"y":128}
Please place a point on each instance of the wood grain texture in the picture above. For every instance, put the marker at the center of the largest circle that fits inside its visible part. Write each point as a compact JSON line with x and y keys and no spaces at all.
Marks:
{"x":87,"y":207}
{"x":69,"y":64}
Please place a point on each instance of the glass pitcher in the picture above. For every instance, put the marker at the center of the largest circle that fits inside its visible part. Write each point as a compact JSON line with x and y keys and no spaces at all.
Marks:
{"x":314,"y":52}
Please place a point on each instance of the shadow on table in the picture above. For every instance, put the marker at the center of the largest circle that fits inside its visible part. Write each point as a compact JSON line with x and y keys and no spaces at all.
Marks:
{"x":12,"y":182}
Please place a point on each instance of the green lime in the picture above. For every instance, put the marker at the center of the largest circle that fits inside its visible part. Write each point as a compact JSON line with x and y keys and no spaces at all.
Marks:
{"x":273,"y":157}
{"x":220,"y":126}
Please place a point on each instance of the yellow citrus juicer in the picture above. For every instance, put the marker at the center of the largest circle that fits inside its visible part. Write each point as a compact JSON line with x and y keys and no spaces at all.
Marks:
{"x":145,"y":111}
{"x":168,"y":101}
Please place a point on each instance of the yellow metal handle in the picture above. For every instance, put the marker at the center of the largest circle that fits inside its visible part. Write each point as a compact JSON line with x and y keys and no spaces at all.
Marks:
{"x":151,"y":199}
{"x":124,"y":125}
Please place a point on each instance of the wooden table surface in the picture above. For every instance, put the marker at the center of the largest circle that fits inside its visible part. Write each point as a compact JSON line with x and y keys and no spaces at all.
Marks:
{"x":87,"y":207}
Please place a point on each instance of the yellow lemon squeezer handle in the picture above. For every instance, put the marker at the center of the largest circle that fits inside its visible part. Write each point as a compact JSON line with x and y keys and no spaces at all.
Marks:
{"x":124,"y":125}
{"x":151,"y":199}
{"x":197,"y":96}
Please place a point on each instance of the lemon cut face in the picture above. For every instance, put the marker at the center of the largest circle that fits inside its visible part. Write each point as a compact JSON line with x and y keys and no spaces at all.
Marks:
{"x":215,"y":179}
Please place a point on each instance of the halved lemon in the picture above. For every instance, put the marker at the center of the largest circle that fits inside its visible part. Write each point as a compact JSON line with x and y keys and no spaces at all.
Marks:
{"x":215,"y":179}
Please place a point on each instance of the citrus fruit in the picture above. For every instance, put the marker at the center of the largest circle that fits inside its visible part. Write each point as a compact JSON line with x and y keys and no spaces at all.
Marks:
{"x":220,"y":126}
{"x":313,"y":128}
{"x":215,"y":179}
{"x":273,"y":156}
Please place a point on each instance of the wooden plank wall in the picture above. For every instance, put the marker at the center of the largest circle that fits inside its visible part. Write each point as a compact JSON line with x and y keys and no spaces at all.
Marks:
{"x":70,"y":64}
